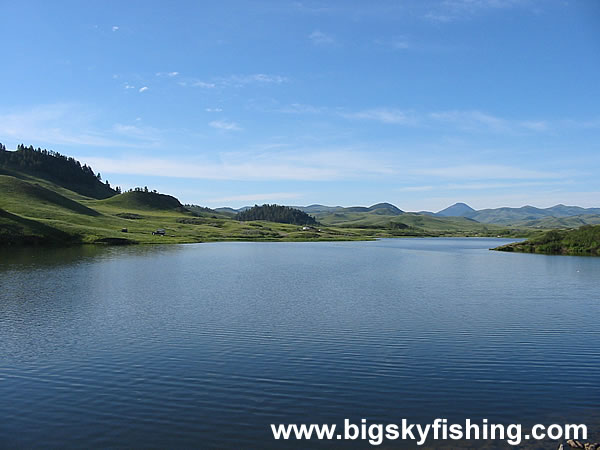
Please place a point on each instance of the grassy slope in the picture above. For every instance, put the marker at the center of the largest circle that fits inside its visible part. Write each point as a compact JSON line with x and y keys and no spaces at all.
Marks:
{"x":418,"y":224}
{"x":36,"y":207}
{"x":31,"y":208}
{"x":582,"y":241}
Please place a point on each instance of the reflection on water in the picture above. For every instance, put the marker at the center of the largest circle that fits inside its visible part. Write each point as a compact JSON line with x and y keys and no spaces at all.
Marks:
{"x":170,"y":346}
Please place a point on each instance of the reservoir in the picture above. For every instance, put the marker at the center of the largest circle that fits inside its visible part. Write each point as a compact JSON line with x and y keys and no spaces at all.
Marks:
{"x":206,"y":345}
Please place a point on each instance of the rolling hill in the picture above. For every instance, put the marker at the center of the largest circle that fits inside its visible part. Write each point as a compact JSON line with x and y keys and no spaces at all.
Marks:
{"x":69,"y":204}
{"x":38,"y":211}
{"x":144,"y":201}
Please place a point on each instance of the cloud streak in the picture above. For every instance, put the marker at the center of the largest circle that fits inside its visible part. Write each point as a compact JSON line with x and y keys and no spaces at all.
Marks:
{"x":319,"y":38}
{"x":70,"y":124}
{"x":224,"y":125}
{"x":388,"y":116}
{"x":453,"y":10}
{"x":257,"y":198}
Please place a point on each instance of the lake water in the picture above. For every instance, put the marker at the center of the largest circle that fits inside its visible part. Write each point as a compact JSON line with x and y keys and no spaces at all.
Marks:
{"x":205,"y":345}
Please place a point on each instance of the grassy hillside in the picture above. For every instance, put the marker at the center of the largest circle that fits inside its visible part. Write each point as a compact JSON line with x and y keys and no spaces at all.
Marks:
{"x":582,"y":241}
{"x":20,"y":196}
{"x":52,"y":166}
{"x":143,"y":201}
{"x":415,"y":224}
{"x":45,"y":210}
{"x":16,"y":230}
{"x":36,"y":211}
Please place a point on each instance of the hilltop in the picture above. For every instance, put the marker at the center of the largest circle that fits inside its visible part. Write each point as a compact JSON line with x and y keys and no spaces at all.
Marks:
{"x":458,"y":210}
{"x":52,"y":166}
{"x":142,"y":200}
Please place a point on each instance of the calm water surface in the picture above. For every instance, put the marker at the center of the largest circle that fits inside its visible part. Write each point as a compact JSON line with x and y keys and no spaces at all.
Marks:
{"x":205,"y":345}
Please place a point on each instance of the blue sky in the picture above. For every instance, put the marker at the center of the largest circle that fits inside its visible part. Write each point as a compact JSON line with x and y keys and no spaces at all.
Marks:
{"x":418,"y":103}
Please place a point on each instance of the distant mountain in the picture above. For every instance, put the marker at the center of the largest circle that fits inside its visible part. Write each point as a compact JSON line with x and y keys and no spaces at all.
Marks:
{"x":315,"y":209}
{"x":379,"y":208}
{"x":526,"y":215}
{"x":565,"y":211}
{"x":561,"y":222}
{"x":457,"y":210}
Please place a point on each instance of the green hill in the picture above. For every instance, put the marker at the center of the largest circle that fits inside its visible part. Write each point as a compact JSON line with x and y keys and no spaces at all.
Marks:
{"x":142,"y":200}
{"x":582,"y":241}
{"x":56,"y":168}
{"x":35,"y":211}
{"x":24,"y":197}
{"x":16,"y":231}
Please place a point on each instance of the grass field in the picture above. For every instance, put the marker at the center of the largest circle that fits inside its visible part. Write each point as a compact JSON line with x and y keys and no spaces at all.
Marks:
{"x":36,"y":211}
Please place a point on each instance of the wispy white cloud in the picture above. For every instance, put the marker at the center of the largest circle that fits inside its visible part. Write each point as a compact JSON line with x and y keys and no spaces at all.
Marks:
{"x":483,"y":122}
{"x":202,"y":84}
{"x":213,"y":109}
{"x":535,"y":125}
{"x":61,"y":124}
{"x":257,"y":198}
{"x":224,"y":125}
{"x":69,"y":124}
{"x":383,"y":115}
{"x":394,"y":44}
{"x":137,"y":132}
{"x":582,"y":123}
{"x":488,"y":172}
{"x":452,"y":10}
{"x":309,"y":165}
{"x":144,"y":89}
{"x":470,"y":120}
{"x":128,"y":86}
{"x":115,"y":28}
{"x":415,"y":188}
{"x":234,"y":81}
{"x":298,"y":108}
{"x":259,"y":78}
{"x":319,"y":38}
{"x":167,"y":74}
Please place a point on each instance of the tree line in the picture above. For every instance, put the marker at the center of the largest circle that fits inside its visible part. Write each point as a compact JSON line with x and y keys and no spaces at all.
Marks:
{"x":63,"y":170}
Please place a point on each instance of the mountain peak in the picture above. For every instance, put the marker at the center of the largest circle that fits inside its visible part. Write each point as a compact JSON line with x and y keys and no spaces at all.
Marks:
{"x":457,"y":210}
{"x":386,"y":206}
